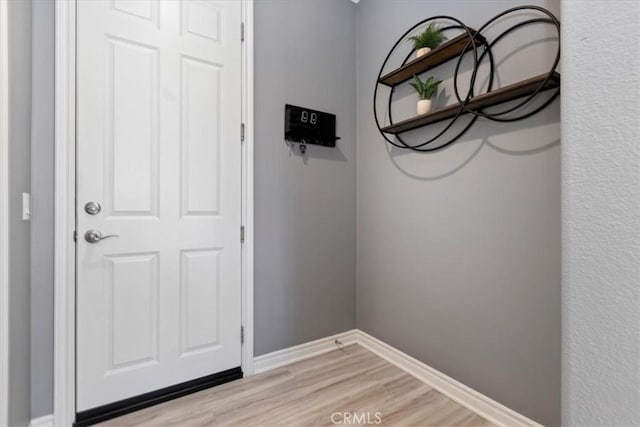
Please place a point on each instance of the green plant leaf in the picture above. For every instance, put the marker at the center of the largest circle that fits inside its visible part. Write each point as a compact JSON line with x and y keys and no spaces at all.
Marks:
{"x":426,"y":89}
{"x":419,"y":82}
{"x":430,"y":37}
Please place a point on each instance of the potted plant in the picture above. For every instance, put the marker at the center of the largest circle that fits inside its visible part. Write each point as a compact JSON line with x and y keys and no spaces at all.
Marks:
{"x":429,"y":39}
{"x":426,"y":89}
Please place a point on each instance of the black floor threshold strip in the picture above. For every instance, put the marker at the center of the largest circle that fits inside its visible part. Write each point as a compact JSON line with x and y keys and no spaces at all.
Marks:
{"x":122,"y":407}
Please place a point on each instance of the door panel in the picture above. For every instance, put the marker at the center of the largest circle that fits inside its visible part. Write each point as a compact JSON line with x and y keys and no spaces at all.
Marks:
{"x":132,"y":128}
{"x":158,"y":128}
{"x":145,"y":9}
{"x":200,"y":137}
{"x":203,"y":19}
{"x":200,"y":296}
{"x":132,"y":300}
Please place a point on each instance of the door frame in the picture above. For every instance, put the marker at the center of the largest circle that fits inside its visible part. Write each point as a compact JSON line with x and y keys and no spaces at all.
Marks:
{"x":4,"y":212}
{"x":65,"y":182}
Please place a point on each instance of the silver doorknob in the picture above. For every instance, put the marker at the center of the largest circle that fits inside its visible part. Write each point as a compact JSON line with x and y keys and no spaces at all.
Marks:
{"x":94,"y":236}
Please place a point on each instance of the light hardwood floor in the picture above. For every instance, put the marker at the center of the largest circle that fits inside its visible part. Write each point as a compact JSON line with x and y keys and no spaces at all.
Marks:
{"x":352,"y":380}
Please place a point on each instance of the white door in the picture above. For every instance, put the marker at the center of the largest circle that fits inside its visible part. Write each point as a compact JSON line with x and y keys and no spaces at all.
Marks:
{"x":158,"y":128}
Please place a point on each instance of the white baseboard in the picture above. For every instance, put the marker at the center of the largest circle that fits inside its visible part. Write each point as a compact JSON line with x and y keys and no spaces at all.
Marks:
{"x":476,"y":402}
{"x":46,"y":421}
{"x":300,"y":352}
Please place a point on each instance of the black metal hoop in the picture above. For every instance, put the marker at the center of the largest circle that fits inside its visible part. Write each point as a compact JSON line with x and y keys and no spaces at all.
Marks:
{"x":469,"y":94}
{"x":472,"y":44}
{"x":552,"y":19}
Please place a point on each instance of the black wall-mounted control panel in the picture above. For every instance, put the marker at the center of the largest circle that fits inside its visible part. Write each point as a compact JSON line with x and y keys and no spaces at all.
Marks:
{"x":308,"y":126}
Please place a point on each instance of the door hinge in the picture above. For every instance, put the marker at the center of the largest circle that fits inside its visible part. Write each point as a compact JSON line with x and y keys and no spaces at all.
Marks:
{"x":242,"y":31}
{"x":242,"y":234}
{"x":242,"y":132}
{"x":75,"y":236}
{"x":241,"y":334}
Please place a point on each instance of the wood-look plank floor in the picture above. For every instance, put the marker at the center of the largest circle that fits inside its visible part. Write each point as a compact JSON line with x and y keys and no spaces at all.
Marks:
{"x":352,"y":380}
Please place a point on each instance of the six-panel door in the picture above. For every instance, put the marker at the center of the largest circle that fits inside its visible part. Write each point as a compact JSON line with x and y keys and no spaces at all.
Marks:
{"x":158,"y":147}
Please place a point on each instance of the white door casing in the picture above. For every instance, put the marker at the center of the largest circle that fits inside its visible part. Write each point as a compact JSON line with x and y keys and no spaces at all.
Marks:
{"x":158,"y":147}
{"x":4,"y":213}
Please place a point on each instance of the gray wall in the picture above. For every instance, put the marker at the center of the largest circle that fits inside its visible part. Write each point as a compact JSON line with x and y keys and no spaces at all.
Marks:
{"x":42,"y":179}
{"x":19,"y":233}
{"x":459,"y":250}
{"x":305,"y":207}
{"x":601,"y":215}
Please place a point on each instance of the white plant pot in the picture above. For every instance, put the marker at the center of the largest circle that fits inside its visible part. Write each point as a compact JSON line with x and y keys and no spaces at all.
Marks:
{"x":424,"y":106}
{"x":422,"y":51}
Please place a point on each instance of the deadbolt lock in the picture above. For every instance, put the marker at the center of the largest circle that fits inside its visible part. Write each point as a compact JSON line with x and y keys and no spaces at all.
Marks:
{"x":92,"y":208}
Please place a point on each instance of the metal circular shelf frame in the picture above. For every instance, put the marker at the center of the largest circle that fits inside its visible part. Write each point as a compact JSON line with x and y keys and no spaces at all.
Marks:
{"x":486,"y":52}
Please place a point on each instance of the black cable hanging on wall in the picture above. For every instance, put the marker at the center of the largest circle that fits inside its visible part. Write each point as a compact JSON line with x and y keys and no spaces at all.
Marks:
{"x":476,"y":42}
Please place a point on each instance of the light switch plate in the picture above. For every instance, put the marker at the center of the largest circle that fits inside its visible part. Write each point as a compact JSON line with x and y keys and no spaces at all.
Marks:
{"x":26,"y":207}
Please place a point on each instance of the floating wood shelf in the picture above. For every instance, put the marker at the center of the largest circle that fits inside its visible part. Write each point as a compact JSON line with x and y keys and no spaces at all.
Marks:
{"x":446,"y":51}
{"x":497,"y":96}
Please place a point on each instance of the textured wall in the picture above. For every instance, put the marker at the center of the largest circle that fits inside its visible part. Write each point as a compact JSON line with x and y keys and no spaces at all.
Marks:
{"x":601,"y":214}
{"x":42,"y":224}
{"x":305,"y":208}
{"x":459,"y":250}
{"x":19,"y":231}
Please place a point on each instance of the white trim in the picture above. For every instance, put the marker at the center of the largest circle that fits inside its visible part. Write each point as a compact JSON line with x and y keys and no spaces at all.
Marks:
{"x":64,"y":319}
{"x":304,"y":351}
{"x":4,"y":212}
{"x":476,"y":402}
{"x":46,"y":421}
{"x":64,"y":253}
{"x":247,"y":187}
